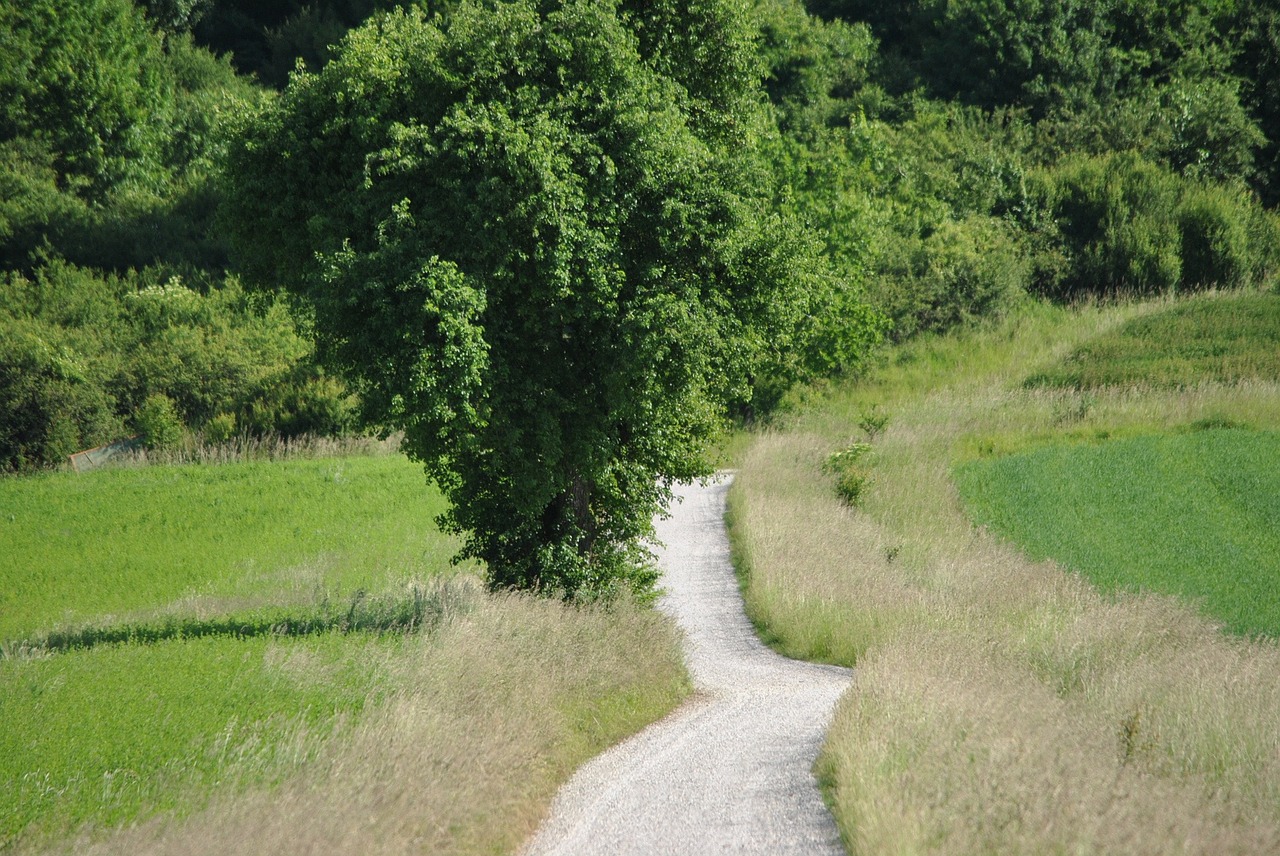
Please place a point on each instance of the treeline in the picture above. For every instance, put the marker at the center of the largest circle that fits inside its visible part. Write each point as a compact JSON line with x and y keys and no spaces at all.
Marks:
{"x":950,"y":157}
{"x":118,"y":311}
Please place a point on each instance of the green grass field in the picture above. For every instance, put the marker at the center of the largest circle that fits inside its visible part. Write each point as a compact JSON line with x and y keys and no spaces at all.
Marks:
{"x":1195,"y":515}
{"x":1220,"y":338}
{"x":99,"y":734}
{"x":127,"y":541}
{"x":218,"y":569}
{"x":195,"y":657}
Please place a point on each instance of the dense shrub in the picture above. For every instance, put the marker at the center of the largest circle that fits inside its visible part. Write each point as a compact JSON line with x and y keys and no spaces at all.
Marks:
{"x":93,"y":352}
{"x":964,"y":270}
{"x":51,"y":403}
{"x":1216,"y":239}
{"x":1115,"y":221}
{"x":158,"y":423}
{"x":87,"y":78}
{"x":1122,"y":224}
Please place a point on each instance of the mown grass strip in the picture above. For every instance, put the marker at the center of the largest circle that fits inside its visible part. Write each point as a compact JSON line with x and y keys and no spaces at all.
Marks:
{"x":1195,"y":515}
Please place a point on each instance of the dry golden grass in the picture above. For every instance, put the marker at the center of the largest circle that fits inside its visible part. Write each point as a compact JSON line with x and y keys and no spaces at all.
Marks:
{"x":489,"y":716}
{"x":1003,"y":706}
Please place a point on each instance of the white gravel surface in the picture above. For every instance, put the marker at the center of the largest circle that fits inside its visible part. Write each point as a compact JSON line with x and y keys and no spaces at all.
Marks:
{"x":731,"y":771}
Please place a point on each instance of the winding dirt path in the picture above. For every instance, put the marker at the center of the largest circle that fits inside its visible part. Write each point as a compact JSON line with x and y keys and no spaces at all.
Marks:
{"x":729,"y":772}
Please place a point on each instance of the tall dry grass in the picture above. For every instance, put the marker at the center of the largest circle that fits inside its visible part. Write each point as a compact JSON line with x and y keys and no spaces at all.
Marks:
{"x":486,"y":718}
{"x":1003,"y":706}
{"x":269,"y":447}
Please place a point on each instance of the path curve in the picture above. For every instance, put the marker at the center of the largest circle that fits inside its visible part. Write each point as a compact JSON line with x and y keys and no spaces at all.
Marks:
{"x":730,"y":771}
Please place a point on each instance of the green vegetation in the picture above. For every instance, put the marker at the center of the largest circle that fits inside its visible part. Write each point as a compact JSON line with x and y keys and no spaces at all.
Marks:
{"x":1193,"y":515}
{"x":1006,"y":704}
{"x":205,"y":644}
{"x":540,"y":239}
{"x":104,"y":735}
{"x":125,"y":542}
{"x":560,"y":243}
{"x":1219,"y":338}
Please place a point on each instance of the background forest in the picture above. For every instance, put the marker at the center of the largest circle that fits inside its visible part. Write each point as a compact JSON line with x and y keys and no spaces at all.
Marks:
{"x":952,"y":159}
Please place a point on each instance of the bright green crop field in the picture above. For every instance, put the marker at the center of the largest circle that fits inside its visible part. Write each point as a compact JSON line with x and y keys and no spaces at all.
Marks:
{"x":1195,"y":515}
{"x":118,"y":542}
{"x":220,"y":602}
{"x":1192,"y":513}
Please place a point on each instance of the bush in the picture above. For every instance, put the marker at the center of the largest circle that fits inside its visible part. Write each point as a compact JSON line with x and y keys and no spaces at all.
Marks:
{"x":51,"y":406}
{"x":965,"y":270}
{"x":1216,"y":246}
{"x":1122,"y":224}
{"x":158,"y":422}
{"x":1115,"y":225}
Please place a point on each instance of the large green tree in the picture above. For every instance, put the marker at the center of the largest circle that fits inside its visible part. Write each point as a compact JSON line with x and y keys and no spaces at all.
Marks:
{"x":86,"y":80}
{"x":540,"y":239}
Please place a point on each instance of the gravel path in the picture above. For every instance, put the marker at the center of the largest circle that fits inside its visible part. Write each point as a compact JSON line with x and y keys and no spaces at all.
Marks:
{"x":730,"y":772}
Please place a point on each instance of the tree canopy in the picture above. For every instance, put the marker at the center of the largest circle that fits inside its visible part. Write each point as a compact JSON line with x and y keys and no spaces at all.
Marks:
{"x":548,"y":260}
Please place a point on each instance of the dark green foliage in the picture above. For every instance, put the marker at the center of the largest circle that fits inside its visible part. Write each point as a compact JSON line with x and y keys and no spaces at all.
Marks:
{"x":1116,"y":219}
{"x":175,"y":16}
{"x":963,"y":271}
{"x":267,"y":38}
{"x":1256,"y":35}
{"x":86,"y":352}
{"x":87,"y":80}
{"x":1122,"y":224}
{"x":538,"y":237}
{"x":51,"y":402}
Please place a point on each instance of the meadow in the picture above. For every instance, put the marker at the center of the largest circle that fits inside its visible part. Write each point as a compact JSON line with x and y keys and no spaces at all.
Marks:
{"x":111,"y":544}
{"x":1195,"y":515}
{"x":267,"y":656}
{"x":1005,"y":703}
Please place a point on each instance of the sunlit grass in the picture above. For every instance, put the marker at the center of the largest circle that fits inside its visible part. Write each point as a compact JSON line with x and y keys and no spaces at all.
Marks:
{"x":1195,"y":515}
{"x":1004,"y":704}
{"x":116,"y":542}
{"x":101,"y":734}
{"x":279,"y":657}
{"x":1223,"y":338}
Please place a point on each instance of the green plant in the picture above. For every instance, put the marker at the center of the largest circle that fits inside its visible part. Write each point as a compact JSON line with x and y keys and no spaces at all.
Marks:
{"x":851,"y":473}
{"x":873,"y":421}
{"x":563,"y":266}
{"x":158,"y":422}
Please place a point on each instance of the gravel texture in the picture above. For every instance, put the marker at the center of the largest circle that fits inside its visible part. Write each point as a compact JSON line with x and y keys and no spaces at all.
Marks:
{"x":729,"y":772}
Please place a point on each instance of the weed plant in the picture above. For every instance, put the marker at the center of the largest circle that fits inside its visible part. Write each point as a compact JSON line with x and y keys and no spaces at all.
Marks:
{"x":1006,"y":705}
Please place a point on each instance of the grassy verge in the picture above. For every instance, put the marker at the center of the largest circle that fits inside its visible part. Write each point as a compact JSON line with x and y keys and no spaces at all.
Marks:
{"x":1004,"y":704}
{"x":277,"y":657}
